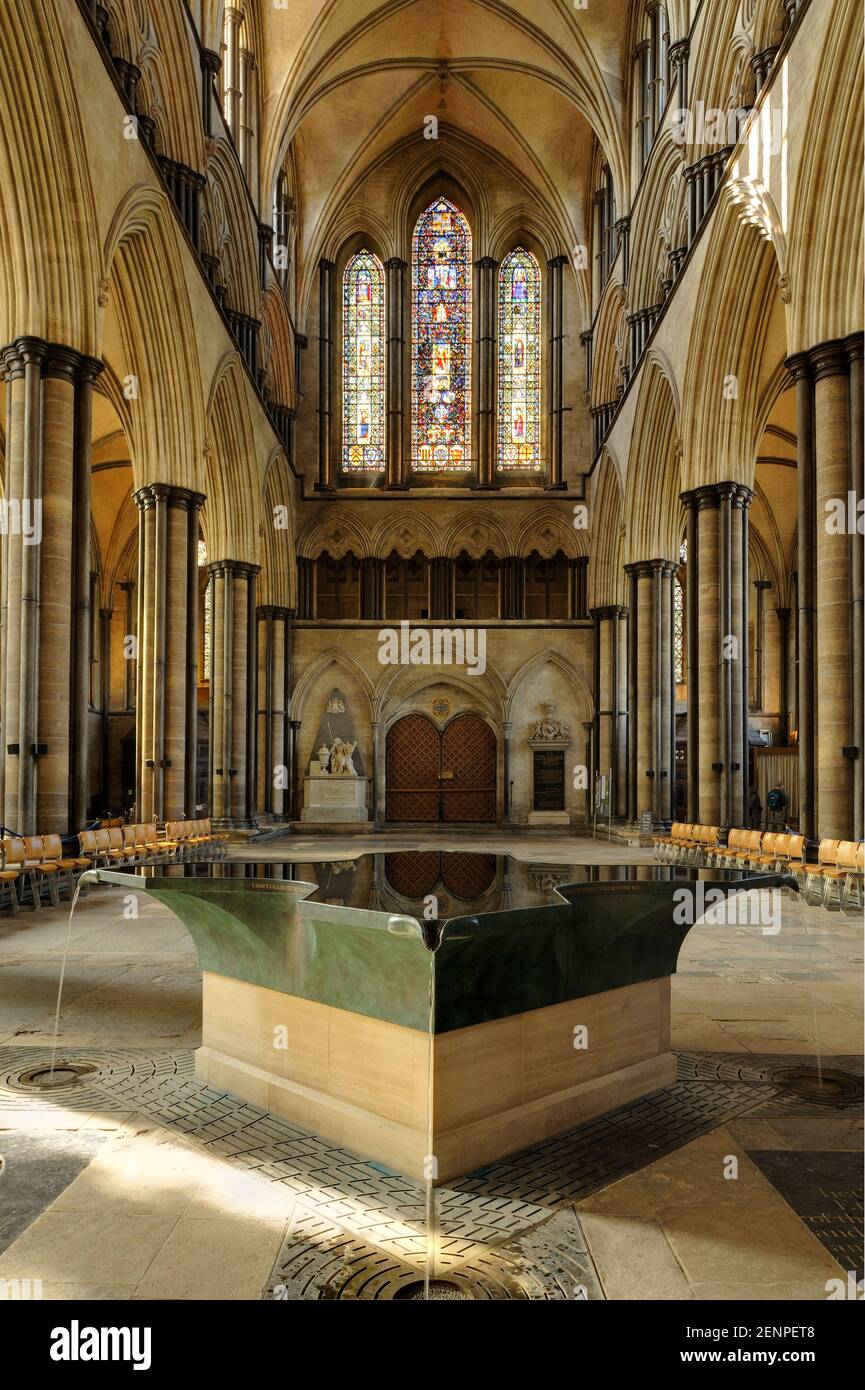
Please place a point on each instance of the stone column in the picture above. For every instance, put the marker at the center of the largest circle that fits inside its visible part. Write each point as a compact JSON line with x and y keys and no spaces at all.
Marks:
{"x":692,"y":655}
{"x":45,"y":661}
{"x":854,"y":347}
{"x":485,"y":344}
{"x":835,"y":750}
{"x":651,"y":690}
{"x":372,"y":588}
{"x":166,"y":718}
{"x":233,"y":21}
{"x":512,"y":587}
{"x":555,"y":371}
{"x":192,"y":600}
{"x":234,"y":667}
{"x":760,"y":663}
{"x":395,"y":309}
{"x":441,"y":588}
{"x":325,"y":374}
{"x":783,"y":688}
{"x":578,"y":566}
{"x":708,"y":652}
{"x":610,"y":698}
{"x":717,"y":568}
{"x":276,"y":665}
{"x":800,"y":369}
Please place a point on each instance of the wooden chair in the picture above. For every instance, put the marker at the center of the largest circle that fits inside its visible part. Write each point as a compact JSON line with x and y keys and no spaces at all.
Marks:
{"x":827,"y":858}
{"x":848,"y":868}
{"x":14,"y":854}
{"x":68,"y":868}
{"x":46,"y":872}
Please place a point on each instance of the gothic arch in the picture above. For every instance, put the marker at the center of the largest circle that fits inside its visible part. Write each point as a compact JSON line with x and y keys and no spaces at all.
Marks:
{"x":726,"y":348}
{"x":232,"y":508}
{"x":525,"y":678}
{"x":606,"y":576}
{"x":653,"y":512}
{"x":308,"y":679}
{"x":144,"y":289}
{"x":337,"y":531}
{"x":278,"y":581}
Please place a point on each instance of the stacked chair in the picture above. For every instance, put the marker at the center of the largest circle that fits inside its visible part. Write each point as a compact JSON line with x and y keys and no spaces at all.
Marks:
{"x":35,"y":868}
{"x":835,"y":876}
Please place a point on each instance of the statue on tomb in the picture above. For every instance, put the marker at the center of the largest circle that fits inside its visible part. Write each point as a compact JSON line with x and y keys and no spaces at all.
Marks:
{"x":341,"y":764}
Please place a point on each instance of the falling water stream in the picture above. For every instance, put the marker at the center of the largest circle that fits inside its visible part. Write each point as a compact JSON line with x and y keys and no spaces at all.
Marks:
{"x":73,"y":905}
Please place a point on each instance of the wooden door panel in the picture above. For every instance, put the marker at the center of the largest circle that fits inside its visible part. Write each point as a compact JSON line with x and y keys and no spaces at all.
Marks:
{"x":469,"y":753}
{"x":412,"y":770}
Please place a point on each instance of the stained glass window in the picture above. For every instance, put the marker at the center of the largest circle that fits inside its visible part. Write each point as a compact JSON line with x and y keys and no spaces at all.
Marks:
{"x":363,"y":356}
{"x":441,"y":367}
{"x":679,"y":616}
{"x":519,"y":407}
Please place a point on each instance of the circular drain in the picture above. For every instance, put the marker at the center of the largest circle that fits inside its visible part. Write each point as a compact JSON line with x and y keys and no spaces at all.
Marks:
{"x":438,"y":1288}
{"x":47,"y":1078}
{"x":824,"y":1087}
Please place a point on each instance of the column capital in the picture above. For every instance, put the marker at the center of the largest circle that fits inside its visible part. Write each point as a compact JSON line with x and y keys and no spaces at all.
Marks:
{"x":211,"y":62}
{"x":556,"y":262}
{"x":799,"y":366}
{"x":762,"y":584}
{"x":180,"y":497}
{"x":395,"y":263}
{"x":326,"y":267}
{"x":854,"y":346}
{"x":829,"y":359}
{"x":487,"y":263}
{"x":608,"y":611}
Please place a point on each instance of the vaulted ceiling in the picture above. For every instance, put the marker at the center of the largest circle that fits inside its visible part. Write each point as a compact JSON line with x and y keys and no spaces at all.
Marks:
{"x":517,"y":90}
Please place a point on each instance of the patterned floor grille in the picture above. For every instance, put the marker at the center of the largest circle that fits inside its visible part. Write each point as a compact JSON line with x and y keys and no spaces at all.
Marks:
{"x":506,"y":1231}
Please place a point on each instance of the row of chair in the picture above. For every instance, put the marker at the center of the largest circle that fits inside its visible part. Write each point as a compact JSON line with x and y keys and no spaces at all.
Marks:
{"x":837,"y":871}
{"x":35,"y":866}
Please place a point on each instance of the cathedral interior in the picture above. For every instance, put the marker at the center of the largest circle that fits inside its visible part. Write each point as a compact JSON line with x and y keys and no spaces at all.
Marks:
{"x":432,"y":512}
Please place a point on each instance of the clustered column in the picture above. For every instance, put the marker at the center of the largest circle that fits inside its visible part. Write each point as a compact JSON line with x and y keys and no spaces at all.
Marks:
{"x":395,"y":307}
{"x":830,"y":578}
{"x":325,"y":374}
{"x":232,"y":692}
{"x":651,"y":690}
{"x":555,"y":311}
{"x":273,"y":794}
{"x":610,"y":691}
{"x":486,"y":371}
{"x":45,"y":651}
{"x":717,"y":624}
{"x":167,"y":666}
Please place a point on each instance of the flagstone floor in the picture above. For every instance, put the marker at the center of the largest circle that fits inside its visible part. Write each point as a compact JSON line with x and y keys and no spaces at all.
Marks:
{"x":141,"y":1183}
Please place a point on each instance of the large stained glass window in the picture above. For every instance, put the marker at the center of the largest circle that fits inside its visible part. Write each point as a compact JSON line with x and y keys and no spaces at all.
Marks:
{"x":363,"y":355}
{"x":441,"y":367}
{"x":519,"y":406}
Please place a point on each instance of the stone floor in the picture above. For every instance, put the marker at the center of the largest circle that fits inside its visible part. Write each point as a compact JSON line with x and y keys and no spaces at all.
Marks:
{"x":142,"y":1183}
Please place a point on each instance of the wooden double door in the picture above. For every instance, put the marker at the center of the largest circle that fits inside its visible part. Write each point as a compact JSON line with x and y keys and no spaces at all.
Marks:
{"x":440,"y":775}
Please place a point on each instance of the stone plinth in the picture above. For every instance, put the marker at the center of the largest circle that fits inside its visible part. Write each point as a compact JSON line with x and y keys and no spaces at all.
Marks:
{"x":334,"y":799}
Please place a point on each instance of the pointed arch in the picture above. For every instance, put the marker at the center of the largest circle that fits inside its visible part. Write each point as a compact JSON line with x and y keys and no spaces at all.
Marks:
{"x":606,"y":576}
{"x":524,"y":680}
{"x":145,"y":290}
{"x":310,"y":676}
{"x":653,"y":512}
{"x":337,"y":530}
{"x":232,"y":509}
{"x":278,"y":581}
{"x":364,"y":423}
{"x":519,"y":376}
{"x":441,"y":360}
